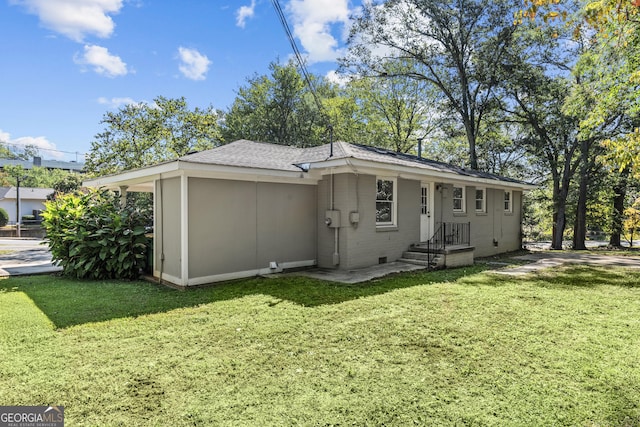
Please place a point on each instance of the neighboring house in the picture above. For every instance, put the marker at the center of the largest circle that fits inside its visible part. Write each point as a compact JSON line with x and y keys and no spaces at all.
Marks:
{"x":249,"y":208}
{"x":31,"y":200}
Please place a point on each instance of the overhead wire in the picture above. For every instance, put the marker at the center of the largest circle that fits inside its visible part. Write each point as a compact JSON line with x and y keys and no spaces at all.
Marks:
{"x":299,"y":58}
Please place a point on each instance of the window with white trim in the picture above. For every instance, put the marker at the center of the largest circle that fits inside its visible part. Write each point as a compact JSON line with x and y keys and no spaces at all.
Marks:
{"x":481,"y":200}
{"x":386,"y":190}
{"x":508,"y":201}
{"x":458,"y":199}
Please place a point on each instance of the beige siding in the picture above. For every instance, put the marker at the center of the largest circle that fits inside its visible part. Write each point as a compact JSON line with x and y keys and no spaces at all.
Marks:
{"x":363,"y":244}
{"x":238,"y":226}
{"x":486,"y":227}
{"x":286,"y":223}
{"x":167,"y":234}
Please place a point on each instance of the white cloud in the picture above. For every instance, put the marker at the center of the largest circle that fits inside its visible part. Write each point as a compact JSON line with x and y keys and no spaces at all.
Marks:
{"x":339,"y":79}
{"x":313,"y":21}
{"x":194,"y":65}
{"x":244,"y":13}
{"x":75,"y":18}
{"x":48,"y":148}
{"x":102,"y":61}
{"x":117,"y":102}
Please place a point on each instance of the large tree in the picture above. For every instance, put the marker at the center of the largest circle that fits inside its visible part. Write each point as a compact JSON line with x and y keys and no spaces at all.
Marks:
{"x":277,"y":108}
{"x":613,"y":26}
{"x":395,"y":112}
{"x":456,"y":46}
{"x":138,"y":135}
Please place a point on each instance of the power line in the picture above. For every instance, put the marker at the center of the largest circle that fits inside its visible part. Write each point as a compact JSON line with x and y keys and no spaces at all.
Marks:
{"x":298,"y":55}
{"x":24,"y":146}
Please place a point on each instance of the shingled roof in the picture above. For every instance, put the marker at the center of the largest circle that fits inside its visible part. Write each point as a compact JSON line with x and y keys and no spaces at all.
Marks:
{"x":260,"y":155}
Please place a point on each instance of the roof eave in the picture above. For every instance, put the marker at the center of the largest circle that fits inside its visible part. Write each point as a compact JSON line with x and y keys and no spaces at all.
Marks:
{"x":368,"y":166}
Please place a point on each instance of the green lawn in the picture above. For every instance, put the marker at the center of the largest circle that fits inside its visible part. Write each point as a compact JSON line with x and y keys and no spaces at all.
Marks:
{"x":455,"y":347}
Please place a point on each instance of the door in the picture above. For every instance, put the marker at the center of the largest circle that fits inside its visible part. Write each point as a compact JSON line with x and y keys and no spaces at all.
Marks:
{"x":425,"y":213}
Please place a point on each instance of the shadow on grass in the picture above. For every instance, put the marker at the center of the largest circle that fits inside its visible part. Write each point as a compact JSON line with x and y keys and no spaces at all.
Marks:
{"x":68,"y":302}
{"x":570,"y":277}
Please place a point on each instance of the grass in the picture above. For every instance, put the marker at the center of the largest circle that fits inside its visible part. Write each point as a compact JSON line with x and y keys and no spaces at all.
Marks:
{"x":456,"y":347}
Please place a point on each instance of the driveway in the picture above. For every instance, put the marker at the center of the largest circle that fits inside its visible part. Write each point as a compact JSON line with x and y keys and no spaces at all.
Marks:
{"x":25,"y":256}
{"x":549,"y":259}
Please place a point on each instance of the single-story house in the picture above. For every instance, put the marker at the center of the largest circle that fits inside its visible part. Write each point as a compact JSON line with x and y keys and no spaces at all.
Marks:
{"x":31,"y":201}
{"x":248,"y":208}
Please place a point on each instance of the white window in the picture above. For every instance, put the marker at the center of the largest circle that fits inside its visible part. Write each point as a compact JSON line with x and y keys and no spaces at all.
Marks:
{"x":481,"y":200}
{"x":458,"y":199}
{"x":508,"y":201}
{"x":386,"y":201}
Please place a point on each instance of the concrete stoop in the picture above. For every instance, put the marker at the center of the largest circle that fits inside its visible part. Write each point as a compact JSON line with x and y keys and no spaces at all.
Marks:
{"x":452,"y":256}
{"x":425,"y":259}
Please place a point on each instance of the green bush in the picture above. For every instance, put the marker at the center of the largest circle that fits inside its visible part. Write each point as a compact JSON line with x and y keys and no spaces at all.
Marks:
{"x":91,"y":236}
{"x":4,"y":217}
{"x":28,"y":217}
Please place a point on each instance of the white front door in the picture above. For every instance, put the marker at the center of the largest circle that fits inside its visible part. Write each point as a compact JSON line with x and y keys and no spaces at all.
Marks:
{"x":425,"y":213}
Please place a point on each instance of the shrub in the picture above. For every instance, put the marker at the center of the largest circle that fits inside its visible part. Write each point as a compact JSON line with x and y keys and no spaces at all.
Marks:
{"x":4,"y":217}
{"x":91,"y":236}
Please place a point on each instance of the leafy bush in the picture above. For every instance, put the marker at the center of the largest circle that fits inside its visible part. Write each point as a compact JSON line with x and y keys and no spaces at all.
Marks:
{"x":91,"y":236}
{"x":4,"y":217}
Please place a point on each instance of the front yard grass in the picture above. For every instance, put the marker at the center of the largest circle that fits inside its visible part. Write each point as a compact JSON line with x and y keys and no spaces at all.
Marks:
{"x":455,"y":347}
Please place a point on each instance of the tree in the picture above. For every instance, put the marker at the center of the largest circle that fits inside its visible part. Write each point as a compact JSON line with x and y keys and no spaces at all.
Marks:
{"x":395,"y":111}
{"x":456,"y":46}
{"x":36,"y":177}
{"x":142,"y":134}
{"x":27,"y":152}
{"x":614,"y":26}
{"x":277,"y":108}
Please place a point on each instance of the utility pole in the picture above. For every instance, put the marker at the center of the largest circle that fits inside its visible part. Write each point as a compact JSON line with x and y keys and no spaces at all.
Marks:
{"x":18,"y":179}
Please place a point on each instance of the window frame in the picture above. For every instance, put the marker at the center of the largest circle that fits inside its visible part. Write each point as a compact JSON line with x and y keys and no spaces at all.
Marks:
{"x":393,"y":202}
{"x":483,"y":209}
{"x":462,"y":199}
{"x":507,"y":202}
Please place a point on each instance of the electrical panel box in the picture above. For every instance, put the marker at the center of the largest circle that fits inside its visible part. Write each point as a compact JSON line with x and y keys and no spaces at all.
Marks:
{"x":354,"y":217}
{"x":332,"y":218}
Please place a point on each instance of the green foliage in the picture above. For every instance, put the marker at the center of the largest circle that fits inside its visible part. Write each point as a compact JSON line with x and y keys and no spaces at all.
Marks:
{"x":92,"y":237}
{"x":458,"y":47}
{"x":37,"y":177}
{"x":139,"y":135}
{"x":277,"y":108}
{"x":4,"y":217}
{"x":67,"y":183}
{"x":395,"y":110}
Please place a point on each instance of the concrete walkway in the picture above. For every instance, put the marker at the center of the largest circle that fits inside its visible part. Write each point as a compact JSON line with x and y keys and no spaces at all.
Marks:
{"x":19,"y":257}
{"x":549,"y":259}
{"x":360,"y":274}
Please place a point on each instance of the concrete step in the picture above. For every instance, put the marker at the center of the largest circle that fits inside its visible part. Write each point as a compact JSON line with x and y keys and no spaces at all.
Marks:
{"x":416,"y":262}
{"x":422,"y":256}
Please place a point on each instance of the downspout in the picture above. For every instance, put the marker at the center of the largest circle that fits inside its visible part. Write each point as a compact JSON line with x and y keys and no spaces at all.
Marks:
{"x":161,"y":210}
{"x":336,"y":230}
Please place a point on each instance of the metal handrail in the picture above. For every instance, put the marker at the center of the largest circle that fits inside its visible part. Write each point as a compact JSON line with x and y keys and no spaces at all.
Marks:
{"x":450,"y":233}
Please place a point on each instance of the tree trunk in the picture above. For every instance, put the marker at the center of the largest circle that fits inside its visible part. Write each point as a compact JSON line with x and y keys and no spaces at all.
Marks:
{"x":620,"y":194}
{"x":558,"y":227}
{"x":471,"y":141}
{"x":580,"y":224}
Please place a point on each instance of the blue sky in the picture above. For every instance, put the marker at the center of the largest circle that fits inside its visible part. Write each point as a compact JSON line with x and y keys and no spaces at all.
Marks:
{"x":67,"y":62}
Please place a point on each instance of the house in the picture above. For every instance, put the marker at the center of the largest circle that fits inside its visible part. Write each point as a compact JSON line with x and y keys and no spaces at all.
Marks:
{"x":31,"y":201}
{"x":250,"y":208}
